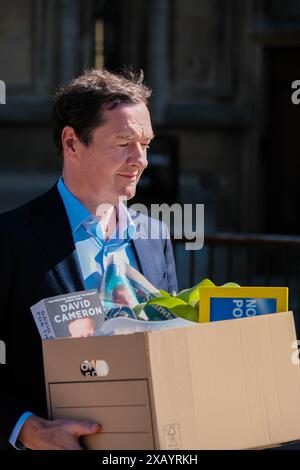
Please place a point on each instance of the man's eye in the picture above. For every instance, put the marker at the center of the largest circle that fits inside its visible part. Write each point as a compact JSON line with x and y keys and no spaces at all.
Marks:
{"x":144,"y":146}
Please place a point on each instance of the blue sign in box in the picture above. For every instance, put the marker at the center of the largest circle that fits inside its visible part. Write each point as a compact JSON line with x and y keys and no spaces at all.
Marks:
{"x":222,"y":308}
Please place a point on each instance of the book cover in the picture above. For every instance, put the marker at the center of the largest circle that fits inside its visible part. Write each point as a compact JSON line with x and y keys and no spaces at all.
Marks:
{"x":73,"y":315}
{"x":220,"y":303}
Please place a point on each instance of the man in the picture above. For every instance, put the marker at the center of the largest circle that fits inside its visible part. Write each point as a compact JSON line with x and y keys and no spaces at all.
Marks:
{"x":61,"y":242}
{"x":121,"y":295}
{"x":81,"y":327}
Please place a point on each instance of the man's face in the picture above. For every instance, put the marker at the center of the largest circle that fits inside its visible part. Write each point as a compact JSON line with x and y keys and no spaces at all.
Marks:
{"x":120,"y":296}
{"x":81,"y":328}
{"x":111,"y":166}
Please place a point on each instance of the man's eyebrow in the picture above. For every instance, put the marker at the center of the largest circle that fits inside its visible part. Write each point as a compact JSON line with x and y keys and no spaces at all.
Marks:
{"x":133,"y":137}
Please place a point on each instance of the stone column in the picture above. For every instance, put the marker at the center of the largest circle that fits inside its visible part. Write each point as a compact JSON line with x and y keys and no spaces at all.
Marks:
{"x":158,"y":56}
{"x":69,"y":53}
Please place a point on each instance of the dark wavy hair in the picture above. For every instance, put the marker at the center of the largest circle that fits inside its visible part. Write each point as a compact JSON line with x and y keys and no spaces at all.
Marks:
{"x":80,"y":103}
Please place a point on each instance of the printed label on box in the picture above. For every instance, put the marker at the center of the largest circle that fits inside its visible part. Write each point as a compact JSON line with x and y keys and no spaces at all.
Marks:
{"x":172,"y":436}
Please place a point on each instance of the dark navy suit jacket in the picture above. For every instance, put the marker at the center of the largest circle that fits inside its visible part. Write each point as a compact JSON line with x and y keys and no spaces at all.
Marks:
{"x":38,"y":259}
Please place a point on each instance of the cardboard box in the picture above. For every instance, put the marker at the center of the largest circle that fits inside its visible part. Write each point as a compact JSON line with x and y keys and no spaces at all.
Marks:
{"x":222,"y":385}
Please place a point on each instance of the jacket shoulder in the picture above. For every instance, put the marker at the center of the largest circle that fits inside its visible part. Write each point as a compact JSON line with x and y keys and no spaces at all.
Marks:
{"x":19,"y":215}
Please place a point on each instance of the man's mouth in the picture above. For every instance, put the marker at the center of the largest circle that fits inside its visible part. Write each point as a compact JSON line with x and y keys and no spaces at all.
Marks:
{"x":129,"y":176}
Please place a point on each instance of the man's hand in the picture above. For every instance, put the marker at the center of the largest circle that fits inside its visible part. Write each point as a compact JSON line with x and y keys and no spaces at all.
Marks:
{"x":60,"y":434}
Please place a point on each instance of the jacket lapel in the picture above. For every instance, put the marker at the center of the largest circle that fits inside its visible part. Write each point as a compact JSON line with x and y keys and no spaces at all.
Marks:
{"x":145,"y":250}
{"x":146,"y":259}
{"x":52,"y":226}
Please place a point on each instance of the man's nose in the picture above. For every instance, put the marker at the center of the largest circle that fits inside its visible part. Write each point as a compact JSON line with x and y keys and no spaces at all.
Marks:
{"x":138,"y":156}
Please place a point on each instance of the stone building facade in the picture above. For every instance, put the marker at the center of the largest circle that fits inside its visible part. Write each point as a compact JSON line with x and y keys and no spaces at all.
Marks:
{"x":221,"y":71}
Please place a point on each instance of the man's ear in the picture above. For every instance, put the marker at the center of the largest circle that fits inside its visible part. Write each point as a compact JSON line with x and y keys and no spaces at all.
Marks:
{"x":69,"y":141}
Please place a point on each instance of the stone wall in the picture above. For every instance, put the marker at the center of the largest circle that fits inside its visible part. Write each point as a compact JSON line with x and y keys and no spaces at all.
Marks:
{"x":204,"y":60}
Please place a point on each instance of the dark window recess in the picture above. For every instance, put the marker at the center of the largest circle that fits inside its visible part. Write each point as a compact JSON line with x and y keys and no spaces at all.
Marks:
{"x":280,"y":150}
{"x":159,"y":182}
{"x":108,"y":29}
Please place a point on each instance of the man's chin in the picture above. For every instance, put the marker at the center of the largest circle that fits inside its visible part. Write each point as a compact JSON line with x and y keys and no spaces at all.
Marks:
{"x":128,"y":194}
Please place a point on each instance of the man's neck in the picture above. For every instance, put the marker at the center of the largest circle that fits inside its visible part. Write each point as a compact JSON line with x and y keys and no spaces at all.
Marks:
{"x":108,"y":221}
{"x":97,"y":208}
